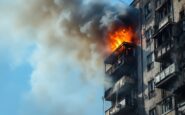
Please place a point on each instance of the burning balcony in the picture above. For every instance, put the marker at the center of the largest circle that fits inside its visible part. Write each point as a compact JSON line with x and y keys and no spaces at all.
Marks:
{"x":123,"y":107}
{"x":121,"y":88}
{"x":165,"y":77}
{"x":164,"y":43}
{"x":121,"y":61}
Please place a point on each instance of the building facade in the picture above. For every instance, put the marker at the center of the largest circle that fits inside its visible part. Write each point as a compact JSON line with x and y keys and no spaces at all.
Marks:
{"x":155,"y":83}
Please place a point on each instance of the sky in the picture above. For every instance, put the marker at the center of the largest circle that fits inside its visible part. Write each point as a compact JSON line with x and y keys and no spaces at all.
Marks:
{"x":33,"y":82}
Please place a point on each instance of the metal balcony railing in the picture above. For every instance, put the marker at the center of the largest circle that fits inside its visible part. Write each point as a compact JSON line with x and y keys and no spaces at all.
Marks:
{"x":160,"y":3}
{"x":167,"y":19}
{"x":124,"y":64}
{"x":163,"y":49}
{"x":124,"y":85}
{"x":165,"y":74}
{"x":121,"y":106}
{"x":121,"y":58}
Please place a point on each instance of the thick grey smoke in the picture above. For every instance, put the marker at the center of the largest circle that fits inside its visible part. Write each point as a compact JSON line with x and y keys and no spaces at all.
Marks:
{"x":88,"y":19}
{"x":68,"y":72}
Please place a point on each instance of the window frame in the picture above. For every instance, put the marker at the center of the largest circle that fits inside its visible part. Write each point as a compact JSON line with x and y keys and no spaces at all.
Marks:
{"x":148,"y":36}
{"x":153,"y":111}
{"x":150,"y":61}
{"x":151,"y":88}
{"x":167,"y":105}
{"x":147,"y":10}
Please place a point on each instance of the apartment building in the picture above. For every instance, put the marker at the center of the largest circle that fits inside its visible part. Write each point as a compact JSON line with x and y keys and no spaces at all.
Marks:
{"x":156,"y":84}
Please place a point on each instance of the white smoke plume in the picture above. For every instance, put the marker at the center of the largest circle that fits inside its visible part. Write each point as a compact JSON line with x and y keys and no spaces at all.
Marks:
{"x":68,"y":71}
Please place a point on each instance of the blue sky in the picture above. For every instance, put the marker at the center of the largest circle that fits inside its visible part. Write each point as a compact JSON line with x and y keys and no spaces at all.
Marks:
{"x":19,"y":70}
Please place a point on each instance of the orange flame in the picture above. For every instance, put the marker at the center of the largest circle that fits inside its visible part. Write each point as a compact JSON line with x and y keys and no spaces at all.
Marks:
{"x":120,"y":35}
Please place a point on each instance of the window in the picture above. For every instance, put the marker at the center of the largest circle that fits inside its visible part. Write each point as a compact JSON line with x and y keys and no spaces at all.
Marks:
{"x":182,"y":14}
{"x":148,"y":35}
{"x":152,"y":111}
{"x":150,"y":61}
{"x":164,"y":11}
{"x":151,"y":89}
{"x":164,"y":93}
{"x":147,"y":10}
{"x":166,"y":105}
{"x":183,"y":25}
{"x":158,"y":3}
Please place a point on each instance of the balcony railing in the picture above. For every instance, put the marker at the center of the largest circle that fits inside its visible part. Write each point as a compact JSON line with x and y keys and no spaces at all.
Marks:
{"x":165,"y":75}
{"x":163,"y":49}
{"x":160,"y":4}
{"x":121,"y":106}
{"x":124,"y":65}
{"x":120,"y":59}
{"x":124,"y":85}
{"x":164,"y":21}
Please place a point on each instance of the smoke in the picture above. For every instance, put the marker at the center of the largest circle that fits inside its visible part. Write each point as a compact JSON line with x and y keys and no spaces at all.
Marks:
{"x":68,"y":70}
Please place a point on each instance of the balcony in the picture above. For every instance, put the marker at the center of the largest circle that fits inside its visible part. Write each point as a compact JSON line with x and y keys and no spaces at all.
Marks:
{"x":164,"y":78}
{"x":121,"y":61}
{"x":123,"y":67}
{"x":162,"y":24}
{"x":166,"y":20}
{"x":123,"y":107}
{"x":163,"y":14}
{"x":163,"y":51}
{"x":160,"y":3}
{"x":121,"y":87}
{"x":180,"y":32}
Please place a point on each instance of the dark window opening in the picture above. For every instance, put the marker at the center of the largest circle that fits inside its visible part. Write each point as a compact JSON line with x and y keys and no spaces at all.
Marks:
{"x":164,"y":37}
{"x":182,"y":14}
{"x":166,"y":105}
{"x":150,"y":61}
{"x":163,"y":11}
{"x":151,"y":89}
{"x":152,"y":111}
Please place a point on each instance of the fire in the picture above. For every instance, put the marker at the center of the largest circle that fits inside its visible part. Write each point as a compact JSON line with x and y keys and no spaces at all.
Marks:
{"x":120,"y":35}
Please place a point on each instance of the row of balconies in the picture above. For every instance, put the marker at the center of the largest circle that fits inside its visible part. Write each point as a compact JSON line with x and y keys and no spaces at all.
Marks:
{"x":164,"y":52}
{"x":174,"y":41}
